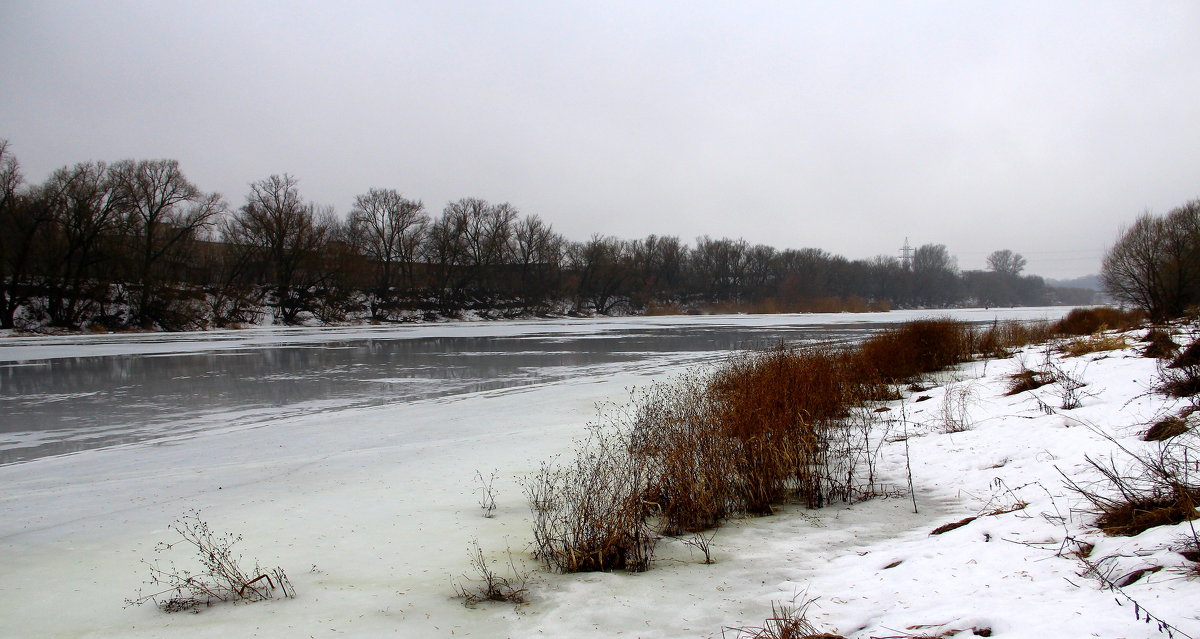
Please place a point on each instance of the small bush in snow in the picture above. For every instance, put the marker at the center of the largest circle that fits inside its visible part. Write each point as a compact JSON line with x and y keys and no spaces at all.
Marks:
{"x":220,"y":576}
{"x":491,"y":585}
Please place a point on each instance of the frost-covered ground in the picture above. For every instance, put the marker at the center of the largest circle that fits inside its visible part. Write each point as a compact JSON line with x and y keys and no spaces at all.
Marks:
{"x":373,"y":522}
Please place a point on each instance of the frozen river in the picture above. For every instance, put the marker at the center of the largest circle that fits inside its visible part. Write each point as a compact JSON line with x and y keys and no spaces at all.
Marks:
{"x":65,"y":394}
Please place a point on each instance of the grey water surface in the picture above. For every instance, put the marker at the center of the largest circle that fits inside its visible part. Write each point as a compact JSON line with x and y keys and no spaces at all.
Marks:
{"x":69,"y":404}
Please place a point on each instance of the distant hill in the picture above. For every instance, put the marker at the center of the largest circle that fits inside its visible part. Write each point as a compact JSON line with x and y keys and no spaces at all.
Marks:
{"x":1089,"y":282}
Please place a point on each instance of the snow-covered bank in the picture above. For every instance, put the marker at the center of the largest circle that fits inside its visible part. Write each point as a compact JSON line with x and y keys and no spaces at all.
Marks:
{"x":373,"y":521}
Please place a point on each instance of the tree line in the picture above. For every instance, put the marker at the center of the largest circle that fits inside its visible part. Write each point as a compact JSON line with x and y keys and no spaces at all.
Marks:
{"x":134,"y":243}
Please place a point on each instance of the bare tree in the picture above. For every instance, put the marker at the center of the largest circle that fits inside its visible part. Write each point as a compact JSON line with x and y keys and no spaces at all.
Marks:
{"x":935,"y":275}
{"x":288,"y":236}
{"x":163,"y":212}
{"x":486,"y":230}
{"x":1155,"y":263}
{"x":1007,"y":262}
{"x":468,"y":244}
{"x":390,"y":229}
{"x":602,"y":266}
{"x":537,"y":251}
{"x":19,"y":227}
{"x":658,"y":264}
{"x":718,"y":267}
{"x":83,"y":209}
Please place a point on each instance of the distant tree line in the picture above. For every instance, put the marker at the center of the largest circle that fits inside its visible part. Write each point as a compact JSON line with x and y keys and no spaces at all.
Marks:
{"x":1155,"y":263}
{"x":136,"y":244}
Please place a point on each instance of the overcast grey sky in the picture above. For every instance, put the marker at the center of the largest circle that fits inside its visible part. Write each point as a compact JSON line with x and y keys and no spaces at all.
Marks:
{"x":1041,"y":127}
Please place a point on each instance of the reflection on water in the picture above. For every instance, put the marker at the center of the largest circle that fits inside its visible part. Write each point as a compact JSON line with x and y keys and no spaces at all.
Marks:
{"x":63,"y":405}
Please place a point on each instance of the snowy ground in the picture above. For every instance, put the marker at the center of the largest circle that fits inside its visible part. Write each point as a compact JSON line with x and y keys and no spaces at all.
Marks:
{"x":373,"y":526}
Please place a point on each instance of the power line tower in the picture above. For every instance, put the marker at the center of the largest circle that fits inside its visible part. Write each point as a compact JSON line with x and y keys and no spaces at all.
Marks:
{"x":906,"y":255}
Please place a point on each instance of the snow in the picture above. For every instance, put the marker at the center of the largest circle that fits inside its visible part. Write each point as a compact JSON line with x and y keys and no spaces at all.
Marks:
{"x":371,"y":511}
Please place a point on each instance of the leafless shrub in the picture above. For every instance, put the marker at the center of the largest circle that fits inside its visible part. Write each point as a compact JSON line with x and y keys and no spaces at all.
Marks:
{"x":1026,"y":380}
{"x":1095,"y":570}
{"x":1088,"y":321}
{"x":1093,"y":344}
{"x":739,"y":438}
{"x":490,"y":585}
{"x":591,"y":514}
{"x":220,"y":577}
{"x":703,"y":543}
{"x":1068,"y":385}
{"x":487,"y":493}
{"x":955,"y":413}
{"x":998,"y":340}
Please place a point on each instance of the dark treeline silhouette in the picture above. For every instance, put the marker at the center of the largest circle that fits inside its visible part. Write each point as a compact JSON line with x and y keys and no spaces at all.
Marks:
{"x":136,"y":244}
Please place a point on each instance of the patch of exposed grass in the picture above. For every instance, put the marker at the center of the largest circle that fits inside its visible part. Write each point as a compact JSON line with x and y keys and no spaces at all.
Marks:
{"x":1093,"y":344}
{"x":1027,"y":380}
{"x":1133,"y":517}
{"x":1159,"y":345}
{"x":1165,"y":429}
{"x":1153,"y":488}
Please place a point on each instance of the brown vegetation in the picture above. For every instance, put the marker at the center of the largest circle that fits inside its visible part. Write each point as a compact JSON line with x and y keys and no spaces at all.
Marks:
{"x":763,"y":428}
{"x":1093,"y":344}
{"x":1027,"y":380}
{"x":1182,"y":377}
{"x":1154,"y":488}
{"x":1165,"y":428}
{"x":1088,"y":321}
{"x":1159,"y":344}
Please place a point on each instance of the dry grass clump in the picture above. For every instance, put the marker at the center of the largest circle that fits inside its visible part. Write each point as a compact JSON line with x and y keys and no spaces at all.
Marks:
{"x":787,"y":621}
{"x":1165,"y":428}
{"x":1027,"y":380}
{"x":1093,"y":344}
{"x":1159,"y":344}
{"x":688,"y":460}
{"x":914,"y":348}
{"x":1001,"y":337}
{"x":1086,"y":321}
{"x":779,"y":407}
{"x":1155,"y":488}
{"x":1134,"y":517}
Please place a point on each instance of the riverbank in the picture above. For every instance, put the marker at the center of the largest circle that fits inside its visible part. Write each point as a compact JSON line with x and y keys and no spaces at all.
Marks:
{"x":371,"y":513}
